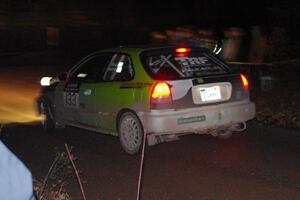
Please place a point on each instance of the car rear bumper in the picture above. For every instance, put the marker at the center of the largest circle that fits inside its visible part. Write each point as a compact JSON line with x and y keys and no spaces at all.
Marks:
{"x":196,"y":120}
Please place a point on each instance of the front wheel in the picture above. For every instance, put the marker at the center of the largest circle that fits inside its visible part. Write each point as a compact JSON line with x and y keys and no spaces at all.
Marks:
{"x":130,"y":132}
{"x":48,"y":123}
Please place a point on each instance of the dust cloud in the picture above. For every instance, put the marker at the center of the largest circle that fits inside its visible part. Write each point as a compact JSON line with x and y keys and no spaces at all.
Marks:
{"x":19,"y":88}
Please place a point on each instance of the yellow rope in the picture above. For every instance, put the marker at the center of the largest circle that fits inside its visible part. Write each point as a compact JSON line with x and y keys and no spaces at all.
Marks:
{"x":293,"y":61}
{"x":248,"y":63}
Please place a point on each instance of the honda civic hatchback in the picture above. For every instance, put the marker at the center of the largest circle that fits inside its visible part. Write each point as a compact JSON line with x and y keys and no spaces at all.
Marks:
{"x":158,"y":92}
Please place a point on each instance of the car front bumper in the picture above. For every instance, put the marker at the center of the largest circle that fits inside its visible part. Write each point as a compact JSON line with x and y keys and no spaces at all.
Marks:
{"x":196,"y":120}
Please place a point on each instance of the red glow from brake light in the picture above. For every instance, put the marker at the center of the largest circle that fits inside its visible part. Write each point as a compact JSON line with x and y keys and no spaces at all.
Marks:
{"x":244,"y":81}
{"x":181,"y":55}
{"x":161,"y":89}
{"x":183,"y":50}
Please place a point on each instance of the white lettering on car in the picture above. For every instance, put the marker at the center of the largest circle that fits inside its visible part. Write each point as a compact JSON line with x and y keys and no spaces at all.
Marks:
{"x":162,"y":61}
{"x":71,"y":99}
{"x":192,"y":61}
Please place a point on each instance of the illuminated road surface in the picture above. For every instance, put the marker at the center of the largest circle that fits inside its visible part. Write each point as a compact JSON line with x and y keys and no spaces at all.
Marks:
{"x":259,"y":164}
{"x":19,"y":87}
{"x":17,"y":103}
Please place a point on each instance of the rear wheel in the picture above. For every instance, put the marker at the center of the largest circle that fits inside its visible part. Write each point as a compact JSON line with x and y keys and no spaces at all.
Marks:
{"x":48,"y":122}
{"x":130,"y":132}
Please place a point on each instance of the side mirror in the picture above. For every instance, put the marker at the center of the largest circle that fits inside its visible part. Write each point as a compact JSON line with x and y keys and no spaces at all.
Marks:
{"x":62,"y":76}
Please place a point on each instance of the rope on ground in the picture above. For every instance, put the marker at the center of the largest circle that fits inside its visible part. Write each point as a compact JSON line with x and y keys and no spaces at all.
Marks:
{"x":76,"y":172}
{"x":141,"y":167}
{"x":248,"y":63}
{"x":45,"y":181}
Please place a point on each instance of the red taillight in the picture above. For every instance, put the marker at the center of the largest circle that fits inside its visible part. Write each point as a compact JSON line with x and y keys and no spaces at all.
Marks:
{"x":244,"y":81}
{"x":161,"y":96}
{"x":160,"y":90}
{"x":183,"y":50}
{"x":181,"y":55}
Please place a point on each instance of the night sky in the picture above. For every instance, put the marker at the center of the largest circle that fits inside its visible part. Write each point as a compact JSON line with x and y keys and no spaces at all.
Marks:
{"x":87,"y":22}
{"x":159,"y":14}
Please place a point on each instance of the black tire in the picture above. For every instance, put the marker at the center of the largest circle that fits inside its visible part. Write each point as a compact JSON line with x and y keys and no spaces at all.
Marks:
{"x":130,"y":132}
{"x":48,"y":123}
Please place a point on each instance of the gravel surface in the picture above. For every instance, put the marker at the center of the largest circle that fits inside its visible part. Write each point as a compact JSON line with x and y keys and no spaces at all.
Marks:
{"x":261,"y":163}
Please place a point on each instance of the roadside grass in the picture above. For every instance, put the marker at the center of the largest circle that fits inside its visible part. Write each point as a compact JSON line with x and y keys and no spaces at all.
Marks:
{"x":52,"y":187}
{"x":278,"y":107}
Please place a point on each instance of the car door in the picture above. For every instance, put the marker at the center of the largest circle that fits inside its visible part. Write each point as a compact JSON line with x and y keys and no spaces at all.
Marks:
{"x":79,"y":94}
{"x":67,"y":101}
{"x":109,"y":94}
{"x":90,"y":73}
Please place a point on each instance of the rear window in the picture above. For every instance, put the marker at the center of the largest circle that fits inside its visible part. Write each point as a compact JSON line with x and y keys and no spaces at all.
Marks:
{"x":167,"y":64}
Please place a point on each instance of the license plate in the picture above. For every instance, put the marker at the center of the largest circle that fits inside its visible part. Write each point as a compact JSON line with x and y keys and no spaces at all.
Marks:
{"x":210,"y":93}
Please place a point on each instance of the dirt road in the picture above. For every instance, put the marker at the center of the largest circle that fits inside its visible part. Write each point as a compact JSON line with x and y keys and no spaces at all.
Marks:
{"x":259,"y":164}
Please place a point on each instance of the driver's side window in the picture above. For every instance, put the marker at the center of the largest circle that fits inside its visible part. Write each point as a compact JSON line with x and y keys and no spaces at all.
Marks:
{"x":92,"y":69}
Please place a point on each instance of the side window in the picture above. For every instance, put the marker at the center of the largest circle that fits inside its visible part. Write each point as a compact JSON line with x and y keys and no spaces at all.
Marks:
{"x":91,"y":70}
{"x":119,"y":69}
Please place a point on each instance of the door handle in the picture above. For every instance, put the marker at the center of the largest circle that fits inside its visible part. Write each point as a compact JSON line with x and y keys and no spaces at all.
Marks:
{"x":87,"y":92}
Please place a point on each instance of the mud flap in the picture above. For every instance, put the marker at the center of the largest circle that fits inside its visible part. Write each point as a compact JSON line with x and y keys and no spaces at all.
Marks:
{"x":157,"y":139}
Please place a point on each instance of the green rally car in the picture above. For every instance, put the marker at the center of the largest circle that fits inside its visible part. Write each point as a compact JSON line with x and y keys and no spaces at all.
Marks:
{"x":162,"y":92}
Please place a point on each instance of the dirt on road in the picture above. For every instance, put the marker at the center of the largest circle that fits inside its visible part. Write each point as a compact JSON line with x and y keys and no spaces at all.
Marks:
{"x":258,"y":164}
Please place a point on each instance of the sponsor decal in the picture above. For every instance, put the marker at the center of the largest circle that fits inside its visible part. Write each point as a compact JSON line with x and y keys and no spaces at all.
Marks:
{"x":198,"y":81}
{"x":163,"y":60}
{"x":71,"y":95}
{"x":186,"y":66}
{"x":186,"y":120}
{"x":72,"y":87}
{"x":192,"y":61}
{"x":71,"y":99}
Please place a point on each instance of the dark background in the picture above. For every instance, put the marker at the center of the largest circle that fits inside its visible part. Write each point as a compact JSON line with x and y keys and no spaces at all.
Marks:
{"x":42,"y":38}
{"x":83,"y":26}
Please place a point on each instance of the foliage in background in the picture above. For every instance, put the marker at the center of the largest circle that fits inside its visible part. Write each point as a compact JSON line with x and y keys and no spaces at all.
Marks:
{"x":283,"y":111}
{"x":279,"y":46}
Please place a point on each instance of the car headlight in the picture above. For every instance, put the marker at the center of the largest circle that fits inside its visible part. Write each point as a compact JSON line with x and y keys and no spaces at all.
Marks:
{"x":46,"y":81}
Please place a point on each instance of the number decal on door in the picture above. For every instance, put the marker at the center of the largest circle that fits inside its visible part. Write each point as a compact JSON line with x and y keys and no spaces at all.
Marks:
{"x":71,"y":99}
